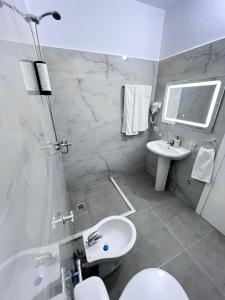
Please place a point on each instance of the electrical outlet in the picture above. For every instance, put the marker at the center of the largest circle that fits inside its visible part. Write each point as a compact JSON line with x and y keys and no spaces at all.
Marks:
{"x":156,"y":128}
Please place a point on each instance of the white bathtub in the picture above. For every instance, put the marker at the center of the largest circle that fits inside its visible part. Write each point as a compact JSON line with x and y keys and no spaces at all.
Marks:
{"x":19,"y":273}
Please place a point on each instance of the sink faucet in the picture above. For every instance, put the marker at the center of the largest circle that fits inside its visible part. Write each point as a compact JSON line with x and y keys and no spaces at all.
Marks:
{"x":170,"y":142}
{"x":93,"y":237}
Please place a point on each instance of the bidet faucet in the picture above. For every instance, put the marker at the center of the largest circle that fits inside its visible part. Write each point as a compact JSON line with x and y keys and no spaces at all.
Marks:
{"x":93,"y":237}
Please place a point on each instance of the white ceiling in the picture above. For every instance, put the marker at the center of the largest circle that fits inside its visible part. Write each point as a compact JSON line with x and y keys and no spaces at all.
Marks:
{"x":159,"y":3}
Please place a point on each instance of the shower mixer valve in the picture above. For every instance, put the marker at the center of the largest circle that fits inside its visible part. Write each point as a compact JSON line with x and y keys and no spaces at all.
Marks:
{"x":62,"y":219}
{"x":62,"y":146}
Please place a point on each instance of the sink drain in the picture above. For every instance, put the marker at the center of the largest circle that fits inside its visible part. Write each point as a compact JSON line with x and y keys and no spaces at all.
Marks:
{"x":105,"y":248}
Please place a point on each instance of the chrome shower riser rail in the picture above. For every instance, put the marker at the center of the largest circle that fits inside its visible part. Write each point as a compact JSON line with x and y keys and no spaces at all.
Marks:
{"x":39,"y":54}
{"x":57,"y":145}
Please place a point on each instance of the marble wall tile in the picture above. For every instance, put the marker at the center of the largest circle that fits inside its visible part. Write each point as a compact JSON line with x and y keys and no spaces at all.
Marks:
{"x":32,"y":182}
{"x":87,"y":107}
{"x":131,"y":70}
{"x":80,"y":172}
{"x":207,"y":60}
{"x":83,"y":100}
{"x":79,"y":63}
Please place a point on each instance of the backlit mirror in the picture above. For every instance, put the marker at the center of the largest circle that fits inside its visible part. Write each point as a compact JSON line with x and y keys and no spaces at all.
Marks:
{"x":193,"y":103}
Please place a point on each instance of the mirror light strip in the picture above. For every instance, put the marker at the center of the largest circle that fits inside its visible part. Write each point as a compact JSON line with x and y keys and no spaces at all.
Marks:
{"x":217,"y":84}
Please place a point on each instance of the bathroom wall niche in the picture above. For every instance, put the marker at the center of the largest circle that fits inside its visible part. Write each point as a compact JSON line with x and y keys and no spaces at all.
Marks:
{"x":193,"y":103}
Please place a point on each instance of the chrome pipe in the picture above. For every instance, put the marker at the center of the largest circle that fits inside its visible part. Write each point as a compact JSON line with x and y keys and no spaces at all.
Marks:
{"x":78,"y":264}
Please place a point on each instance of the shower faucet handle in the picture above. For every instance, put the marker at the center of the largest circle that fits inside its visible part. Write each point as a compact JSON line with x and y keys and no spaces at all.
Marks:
{"x":65,"y":143}
{"x":46,"y":147}
{"x":62,"y":146}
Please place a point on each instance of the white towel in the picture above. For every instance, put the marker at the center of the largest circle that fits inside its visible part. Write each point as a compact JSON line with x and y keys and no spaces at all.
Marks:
{"x":203,"y":166}
{"x":136,"y":108}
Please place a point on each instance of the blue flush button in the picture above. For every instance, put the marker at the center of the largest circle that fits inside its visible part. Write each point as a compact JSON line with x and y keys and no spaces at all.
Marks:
{"x":105,"y":247}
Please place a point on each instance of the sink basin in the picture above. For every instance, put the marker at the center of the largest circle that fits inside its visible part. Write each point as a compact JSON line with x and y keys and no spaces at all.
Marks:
{"x":118,"y":237}
{"x":166,"y":153}
{"x":162,"y":148}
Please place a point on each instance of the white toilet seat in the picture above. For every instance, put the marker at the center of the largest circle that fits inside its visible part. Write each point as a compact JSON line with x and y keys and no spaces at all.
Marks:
{"x":149,"y":284}
{"x":153,"y":284}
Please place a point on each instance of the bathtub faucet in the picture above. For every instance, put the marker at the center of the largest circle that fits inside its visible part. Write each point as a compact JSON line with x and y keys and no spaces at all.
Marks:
{"x":93,"y":237}
{"x":44,"y":258}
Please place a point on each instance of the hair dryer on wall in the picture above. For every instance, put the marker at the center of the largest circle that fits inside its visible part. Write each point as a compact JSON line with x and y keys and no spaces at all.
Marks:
{"x":154,"y":109}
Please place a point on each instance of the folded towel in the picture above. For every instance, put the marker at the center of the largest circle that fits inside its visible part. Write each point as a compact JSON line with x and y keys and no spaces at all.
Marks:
{"x":203,"y":166}
{"x":128,"y":110}
{"x":136,"y":108}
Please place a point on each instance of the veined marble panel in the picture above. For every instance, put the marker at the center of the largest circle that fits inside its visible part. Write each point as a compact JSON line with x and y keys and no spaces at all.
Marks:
{"x":87,"y":107}
{"x":76,"y":63}
{"x":89,"y":65}
{"x":83,"y":100}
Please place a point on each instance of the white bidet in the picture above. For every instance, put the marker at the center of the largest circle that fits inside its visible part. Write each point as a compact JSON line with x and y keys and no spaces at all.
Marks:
{"x":107,"y":242}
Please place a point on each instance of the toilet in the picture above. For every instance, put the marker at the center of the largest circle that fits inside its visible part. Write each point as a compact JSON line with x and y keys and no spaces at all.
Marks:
{"x":149,"y":284}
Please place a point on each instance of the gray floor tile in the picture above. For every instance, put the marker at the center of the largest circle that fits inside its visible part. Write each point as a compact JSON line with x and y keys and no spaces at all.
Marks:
{"x":194,"y":281}
{"x":154,"y":244}
{"x":187,"y":226}
{"x":145,"y":191}
{"x":104,"y":204}
{"x":140,"y":188}
{"x":116,"y":282}
{"x":138,"y":203}
{"x":210,"y":254}
{"x":134,"y":177}
{"x":82,"y":221}
{"x":78,"y":194}
{"x":101,"y":200}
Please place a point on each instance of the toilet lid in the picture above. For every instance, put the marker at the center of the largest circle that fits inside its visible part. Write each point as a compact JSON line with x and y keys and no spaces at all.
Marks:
{"x":91,"y":288}
{"x":153,"y":284}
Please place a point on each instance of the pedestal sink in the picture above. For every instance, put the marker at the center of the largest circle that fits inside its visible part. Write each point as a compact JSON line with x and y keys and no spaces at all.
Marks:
{"x":166,"y":153}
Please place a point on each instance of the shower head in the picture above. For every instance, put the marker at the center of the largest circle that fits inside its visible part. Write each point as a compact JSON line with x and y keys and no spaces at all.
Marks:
{"x":32,"y":18}
{"x":29,"y":17}
{"x":54,"y":14}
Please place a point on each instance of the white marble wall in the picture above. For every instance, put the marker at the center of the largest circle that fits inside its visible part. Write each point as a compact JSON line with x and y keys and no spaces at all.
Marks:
{"x":87,"y":107}
{"x":208,"y":60}
{"x":32,"y":182}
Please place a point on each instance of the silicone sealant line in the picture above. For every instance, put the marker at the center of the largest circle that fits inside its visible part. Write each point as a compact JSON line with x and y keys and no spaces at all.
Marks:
{"x":124,"y":197}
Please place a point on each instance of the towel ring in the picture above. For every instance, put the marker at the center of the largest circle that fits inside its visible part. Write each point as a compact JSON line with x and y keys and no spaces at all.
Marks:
{"x":211,"y":141}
